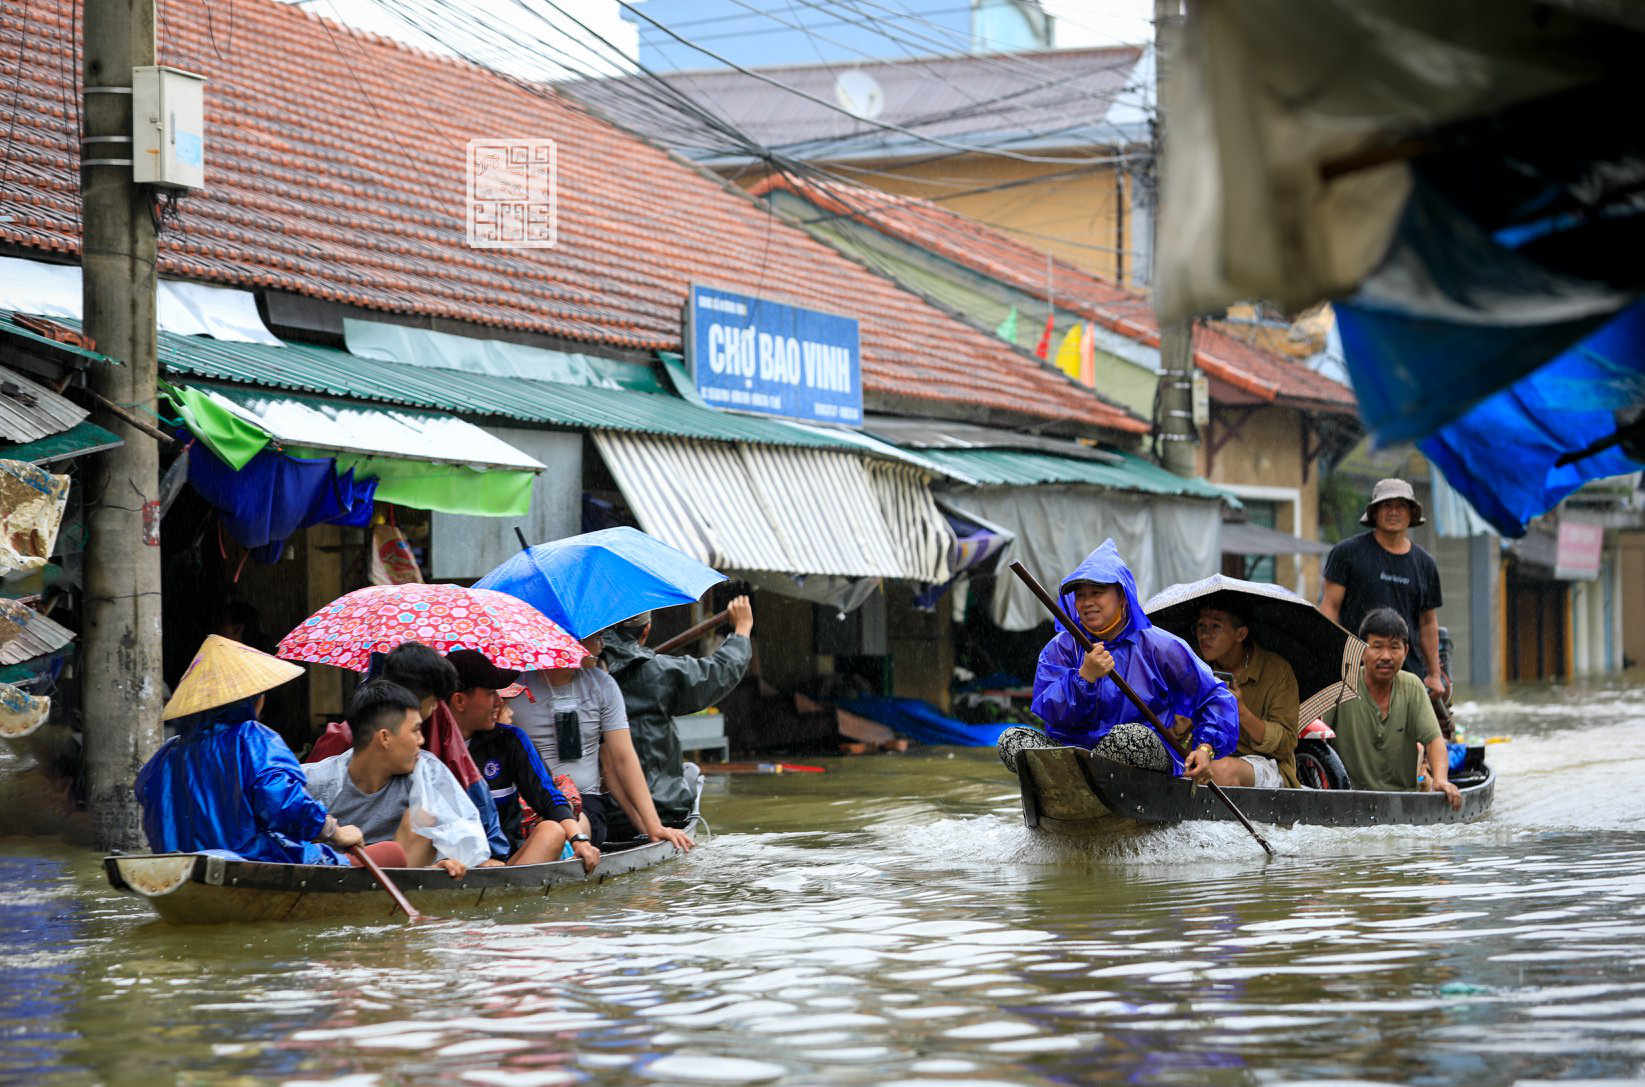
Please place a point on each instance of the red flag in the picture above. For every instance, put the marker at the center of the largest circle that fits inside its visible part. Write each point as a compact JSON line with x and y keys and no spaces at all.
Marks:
{"x":1044,"y":349}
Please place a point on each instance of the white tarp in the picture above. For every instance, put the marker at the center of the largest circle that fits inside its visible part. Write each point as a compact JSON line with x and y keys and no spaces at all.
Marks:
{"x":187,"y":309}
{"x":377,"y":430}
{"x":472,"y":355}
{"x":1163,"y":540}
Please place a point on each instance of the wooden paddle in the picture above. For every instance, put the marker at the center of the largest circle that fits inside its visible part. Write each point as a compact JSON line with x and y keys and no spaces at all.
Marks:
{"x":1084,"y":642}
{"x":704,"y":627}
{"x":388,"y":884}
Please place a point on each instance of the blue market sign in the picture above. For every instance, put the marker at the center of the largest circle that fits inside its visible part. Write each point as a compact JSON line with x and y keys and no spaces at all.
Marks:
{"x":755,"y":355}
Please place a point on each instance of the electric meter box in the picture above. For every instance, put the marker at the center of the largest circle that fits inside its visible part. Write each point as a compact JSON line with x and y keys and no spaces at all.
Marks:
{"x":168,"y":121}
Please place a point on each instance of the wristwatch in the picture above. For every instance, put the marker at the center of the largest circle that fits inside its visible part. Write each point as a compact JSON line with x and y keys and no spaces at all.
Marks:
{"x":1209,"y":750}
{"x":575,"y":838}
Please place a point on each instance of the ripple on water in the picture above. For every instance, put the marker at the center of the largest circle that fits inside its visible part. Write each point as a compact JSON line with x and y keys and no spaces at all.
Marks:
{"x":694,"y":1068}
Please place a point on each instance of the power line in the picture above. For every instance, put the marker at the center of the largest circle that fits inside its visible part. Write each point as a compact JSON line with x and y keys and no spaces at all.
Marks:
{"x":887,"y":125}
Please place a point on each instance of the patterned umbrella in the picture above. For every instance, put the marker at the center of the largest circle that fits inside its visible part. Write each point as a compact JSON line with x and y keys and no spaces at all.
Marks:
{"x":511,"y":633}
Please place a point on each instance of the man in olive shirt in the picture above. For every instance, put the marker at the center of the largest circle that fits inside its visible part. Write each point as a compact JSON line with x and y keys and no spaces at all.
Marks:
{"x":1379,"y":732}
{"x":1266,"y":689}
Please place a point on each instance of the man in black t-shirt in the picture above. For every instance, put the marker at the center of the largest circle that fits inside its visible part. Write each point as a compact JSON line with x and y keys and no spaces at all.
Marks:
{"x":1384,"y":568}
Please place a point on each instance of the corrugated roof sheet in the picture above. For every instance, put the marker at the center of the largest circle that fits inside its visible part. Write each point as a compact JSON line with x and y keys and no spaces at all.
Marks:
{"x":42,"y":345}
{"x":1256,"y":372}
{"x":307,"y":368}
{"x":1019,"y":468}
{"x":85,"y":438}
{"x":980,"y":100}
{"x":940,"y":434}
{"x":792,"y":511}
{"x":26,"y":634}
{"x":336,"y":170}
{"x":30,"y":411}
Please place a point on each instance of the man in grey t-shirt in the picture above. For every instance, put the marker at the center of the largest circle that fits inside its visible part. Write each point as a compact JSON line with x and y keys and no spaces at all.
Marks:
{"x":577,"y":711}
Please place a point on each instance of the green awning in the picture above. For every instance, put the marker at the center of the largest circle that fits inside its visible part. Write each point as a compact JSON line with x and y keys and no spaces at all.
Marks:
{"x":421,"y":460}
{"x":322,"y":370}
{"x":79,"y":439}
{"x":1018,"y":468}
{"x":329,"y":372}
{"x":41,"y":345}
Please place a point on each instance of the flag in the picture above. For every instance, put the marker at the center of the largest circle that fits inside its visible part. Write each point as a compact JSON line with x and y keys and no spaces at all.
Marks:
{"x":1088,"y":357}
{"x":1068,"y":355}
{"x":1044,"y":349}
{"x":1007,"y":329}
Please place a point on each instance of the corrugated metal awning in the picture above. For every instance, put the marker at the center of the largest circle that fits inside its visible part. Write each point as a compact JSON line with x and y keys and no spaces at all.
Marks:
{"x":782,"y":510}
{"x":370,"y":429}
{"x":1021,"y":468}
{"x":76,"y":441}
{"x":1244,"y":538}
{"x":26,"y":634}
{"x":29,"y":411}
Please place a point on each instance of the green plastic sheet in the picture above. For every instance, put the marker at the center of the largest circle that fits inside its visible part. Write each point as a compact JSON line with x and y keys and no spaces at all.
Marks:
{"x":443,"y":488}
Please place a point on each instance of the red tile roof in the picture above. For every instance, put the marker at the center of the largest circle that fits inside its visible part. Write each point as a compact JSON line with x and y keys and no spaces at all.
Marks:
{"x":335,"y":169}
{"x":1251,"y":369}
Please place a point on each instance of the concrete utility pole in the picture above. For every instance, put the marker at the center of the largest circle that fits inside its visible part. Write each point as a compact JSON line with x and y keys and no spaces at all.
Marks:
{"x":1174,"y":418}
{"x":120,"y":678}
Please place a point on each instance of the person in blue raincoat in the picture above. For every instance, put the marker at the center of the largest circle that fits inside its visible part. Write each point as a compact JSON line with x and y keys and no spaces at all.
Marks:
{"x":227,"y":782}
{"x":1081,"y":708}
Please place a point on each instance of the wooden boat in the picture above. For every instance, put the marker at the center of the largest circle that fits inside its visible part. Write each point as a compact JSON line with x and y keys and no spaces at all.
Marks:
{"x":200,"y":889}
{"x":1069,"y":791}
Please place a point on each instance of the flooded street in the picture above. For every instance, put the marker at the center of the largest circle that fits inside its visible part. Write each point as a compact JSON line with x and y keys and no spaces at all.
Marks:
{"x":891,"y":922}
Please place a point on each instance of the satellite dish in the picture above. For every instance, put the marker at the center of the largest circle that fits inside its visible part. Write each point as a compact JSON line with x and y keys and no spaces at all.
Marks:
{"x":859,"y":94}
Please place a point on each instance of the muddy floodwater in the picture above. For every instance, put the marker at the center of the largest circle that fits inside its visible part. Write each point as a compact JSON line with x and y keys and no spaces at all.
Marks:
{"x":890,"y":921}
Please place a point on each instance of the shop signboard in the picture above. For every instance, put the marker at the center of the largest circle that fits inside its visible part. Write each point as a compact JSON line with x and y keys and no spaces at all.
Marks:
{"x":1576,"y":557}
{"x":757,"y":355}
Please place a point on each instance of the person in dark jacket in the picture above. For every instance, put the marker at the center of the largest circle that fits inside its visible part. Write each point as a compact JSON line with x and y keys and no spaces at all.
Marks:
{"x":658,"y":689}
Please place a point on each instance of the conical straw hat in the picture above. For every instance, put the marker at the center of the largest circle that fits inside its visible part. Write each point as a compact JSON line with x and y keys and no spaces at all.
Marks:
{"x":224,"y":671}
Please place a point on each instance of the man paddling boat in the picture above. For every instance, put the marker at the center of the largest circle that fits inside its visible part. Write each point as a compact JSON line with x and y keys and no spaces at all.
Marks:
{"x":1080,"y":709}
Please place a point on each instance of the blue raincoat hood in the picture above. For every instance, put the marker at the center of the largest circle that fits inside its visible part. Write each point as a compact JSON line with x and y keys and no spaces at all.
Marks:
{"x":1105,"y":567}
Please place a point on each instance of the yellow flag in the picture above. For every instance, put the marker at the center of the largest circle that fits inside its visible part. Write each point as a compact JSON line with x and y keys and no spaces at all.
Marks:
{"x":1068,"y":355}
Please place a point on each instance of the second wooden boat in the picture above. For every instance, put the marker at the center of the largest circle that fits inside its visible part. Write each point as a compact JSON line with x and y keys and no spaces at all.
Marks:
{"x":1069,"y":791}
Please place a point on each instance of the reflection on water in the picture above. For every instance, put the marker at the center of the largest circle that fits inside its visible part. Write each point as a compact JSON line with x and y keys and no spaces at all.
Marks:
{"x":892,"y":922}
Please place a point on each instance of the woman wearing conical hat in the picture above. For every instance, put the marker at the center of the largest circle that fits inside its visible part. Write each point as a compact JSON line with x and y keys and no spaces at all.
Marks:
{"x":226,"y":781}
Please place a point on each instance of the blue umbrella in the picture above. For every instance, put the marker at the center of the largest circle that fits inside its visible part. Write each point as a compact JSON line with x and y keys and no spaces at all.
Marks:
{"x":589,"y":582}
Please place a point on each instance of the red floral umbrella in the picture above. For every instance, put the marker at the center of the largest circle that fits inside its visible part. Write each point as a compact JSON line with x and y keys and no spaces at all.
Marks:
{"x":511,"y":633}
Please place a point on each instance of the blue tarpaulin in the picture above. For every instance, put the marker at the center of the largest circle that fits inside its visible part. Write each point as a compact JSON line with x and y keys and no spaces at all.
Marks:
{"x":274,"y":495}
{"x":1501,"y":454}
{"x":923,"y":722}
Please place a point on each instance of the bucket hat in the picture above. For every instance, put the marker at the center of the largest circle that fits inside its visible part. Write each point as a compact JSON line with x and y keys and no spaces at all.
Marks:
{"x":224,"y":671}
{"x":1387,"y":489}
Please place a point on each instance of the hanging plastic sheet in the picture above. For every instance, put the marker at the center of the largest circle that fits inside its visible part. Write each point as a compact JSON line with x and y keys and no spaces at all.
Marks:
{"x":979,"y":547}
{"x":275,"y":495}
{"x":1503,"y":455}
{"x":1454,"y":316}
{"x":31,"y":511}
